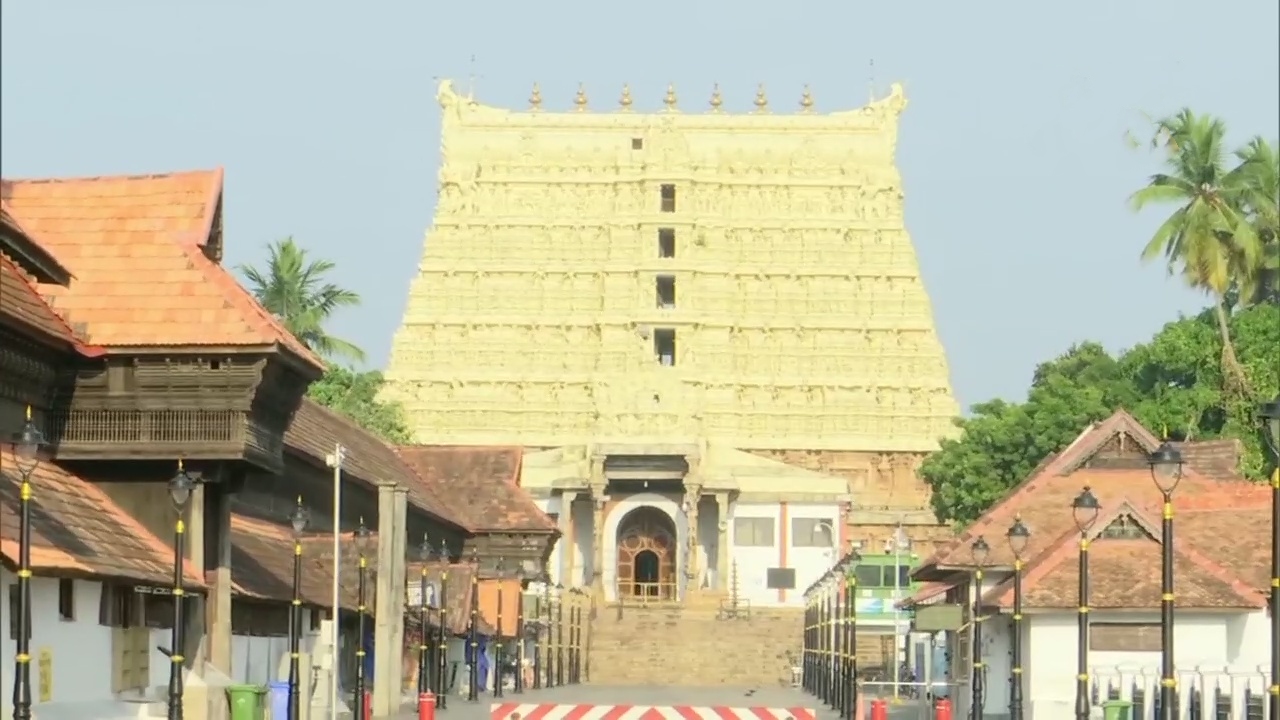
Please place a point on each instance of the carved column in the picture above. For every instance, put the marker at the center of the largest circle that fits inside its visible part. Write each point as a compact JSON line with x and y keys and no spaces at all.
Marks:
{"x":568,"y":539}
{"x":598,"y":498}
{"x":693,"y":563}
{"x":722,"y":542}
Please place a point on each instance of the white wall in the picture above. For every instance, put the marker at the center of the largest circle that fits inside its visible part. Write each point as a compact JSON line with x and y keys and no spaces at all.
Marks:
{"x":753,"y":562}
{"x":1210,"y":649}
{"x":80,"y":648}
{"x":258,"y":660}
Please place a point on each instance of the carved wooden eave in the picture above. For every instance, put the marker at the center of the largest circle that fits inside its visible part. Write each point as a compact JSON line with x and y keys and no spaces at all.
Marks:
{"x":219,"y":403}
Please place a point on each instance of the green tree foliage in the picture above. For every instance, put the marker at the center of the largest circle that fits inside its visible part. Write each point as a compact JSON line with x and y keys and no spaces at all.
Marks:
{"x":1175,"y":381}
{"x":355,"y":395}
{"x":294,"y":289}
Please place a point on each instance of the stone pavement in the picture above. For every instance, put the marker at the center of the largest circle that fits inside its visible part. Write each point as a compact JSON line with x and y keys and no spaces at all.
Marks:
{"x":460,"y":709}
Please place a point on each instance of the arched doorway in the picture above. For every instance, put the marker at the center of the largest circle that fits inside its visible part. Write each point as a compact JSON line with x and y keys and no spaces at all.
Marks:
{"x":647,"y":555}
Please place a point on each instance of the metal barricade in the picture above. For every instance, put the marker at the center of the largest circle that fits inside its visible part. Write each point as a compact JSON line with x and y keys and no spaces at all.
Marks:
{"x":1205,"y":692}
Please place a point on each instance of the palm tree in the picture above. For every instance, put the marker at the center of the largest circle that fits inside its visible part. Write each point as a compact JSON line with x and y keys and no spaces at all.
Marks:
{"x":1208,"y":239}
{"x":1260,"y":199}
{"x":293,"y":289}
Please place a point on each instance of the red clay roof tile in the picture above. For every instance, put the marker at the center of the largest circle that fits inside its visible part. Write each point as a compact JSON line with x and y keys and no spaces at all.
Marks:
{"x":480,"y":483}
{"x":77,"y":528}
{"x":22,"y":303}
{"x":133,"y":243}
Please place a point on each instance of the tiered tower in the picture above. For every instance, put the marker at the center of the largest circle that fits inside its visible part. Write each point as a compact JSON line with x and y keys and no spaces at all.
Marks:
{"x":602,"y":276}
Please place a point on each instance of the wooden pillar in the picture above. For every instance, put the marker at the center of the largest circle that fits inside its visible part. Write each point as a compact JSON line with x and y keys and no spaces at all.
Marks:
{"x":217,"y":557}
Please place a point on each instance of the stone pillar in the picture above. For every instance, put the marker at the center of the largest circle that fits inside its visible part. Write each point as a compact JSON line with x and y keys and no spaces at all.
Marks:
{"x":568,"y":538}
{"x":217,"y":557}
{"x":598,"y":498}
{"x":722,"y":542}
{"x":389,"y":599}
{"x":693,"y":563}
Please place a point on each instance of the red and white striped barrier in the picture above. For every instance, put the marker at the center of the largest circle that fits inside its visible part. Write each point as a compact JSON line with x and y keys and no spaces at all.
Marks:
{"x":553,"y":711}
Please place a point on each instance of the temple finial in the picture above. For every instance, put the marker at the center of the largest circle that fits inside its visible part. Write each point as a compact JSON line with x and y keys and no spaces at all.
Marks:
{"x":716,"y":100}
{"x":580,"y":100}
{"x":535,"y":98}
{"x":625,"y":101}
{"x":806,"y":101}
{"x":670,"y":99}
{"x":762,"y":100}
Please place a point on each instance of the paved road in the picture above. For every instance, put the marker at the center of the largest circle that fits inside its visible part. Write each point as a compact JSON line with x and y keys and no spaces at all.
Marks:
{"x":460,"y":709}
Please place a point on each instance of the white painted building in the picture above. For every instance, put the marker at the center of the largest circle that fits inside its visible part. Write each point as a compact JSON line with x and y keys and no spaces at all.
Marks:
{"x":669,"y":522}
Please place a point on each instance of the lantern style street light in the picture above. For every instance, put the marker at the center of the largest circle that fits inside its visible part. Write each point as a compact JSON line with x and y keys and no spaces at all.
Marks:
{"x":1019,"y":535}
{"x":1166,"y":471}
{"x":424,"y":672}
{"x":1084,"y":510}
{"x":1269,"y":415}
{"x":298,"y":521}
{"x":980,"y":551}
{"x":362,"y":541}
{"x":27,"y":444}
{"x":180,"y":488}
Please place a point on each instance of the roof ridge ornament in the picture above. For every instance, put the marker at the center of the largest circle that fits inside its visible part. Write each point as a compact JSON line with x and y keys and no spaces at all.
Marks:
{"x":670,"y":99}
{"x":716,"y":99}
{"x":625,"y":101}
{"x":806,"y":100}
{"x":535,"y":99}
{"x":580,"y":99}
{"x":762,"y":100}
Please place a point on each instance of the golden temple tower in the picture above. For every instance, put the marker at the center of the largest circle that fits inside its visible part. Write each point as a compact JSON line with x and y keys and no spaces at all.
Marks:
{"x":604,"y":274}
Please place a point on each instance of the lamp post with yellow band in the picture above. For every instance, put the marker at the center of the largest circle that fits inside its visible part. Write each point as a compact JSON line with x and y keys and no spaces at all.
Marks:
{"x":1269,"y":415}
{"x":362,"y":537}
{"x":1019,"y":535}
{"x":980,"y":551}
{"x":180,"y":488}
{"x":850,"y":565}
{"x":1166,"y":470}
{"x":27,"y":444}
{"x":424,"y":644}
{"x":1084,"y":510}
{"x":442,"y":639}
{"x":298,"y":520}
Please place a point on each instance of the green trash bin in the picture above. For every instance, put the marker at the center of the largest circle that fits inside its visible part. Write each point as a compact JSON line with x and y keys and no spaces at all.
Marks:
{"x":246,"y":702}
{"x":1117,"y":710}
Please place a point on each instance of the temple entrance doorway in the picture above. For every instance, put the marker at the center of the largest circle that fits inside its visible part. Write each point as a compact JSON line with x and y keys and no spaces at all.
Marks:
{"x":647,"y":555}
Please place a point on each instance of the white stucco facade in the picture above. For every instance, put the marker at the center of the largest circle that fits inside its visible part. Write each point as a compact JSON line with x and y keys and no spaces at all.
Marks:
{"x":1226,"y":649}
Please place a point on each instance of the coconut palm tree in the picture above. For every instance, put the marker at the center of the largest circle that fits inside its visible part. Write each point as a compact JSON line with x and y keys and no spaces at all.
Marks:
{"x":294,"y":289}
{"x":1260,"y":199}
{"x":1208,"y":238}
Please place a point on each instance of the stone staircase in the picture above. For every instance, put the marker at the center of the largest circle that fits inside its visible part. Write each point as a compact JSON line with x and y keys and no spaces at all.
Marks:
{"x":693,"y":644}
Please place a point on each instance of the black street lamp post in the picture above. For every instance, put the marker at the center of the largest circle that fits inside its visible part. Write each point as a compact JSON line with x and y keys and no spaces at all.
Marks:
{"x":980,"y":550}
{"x":520,"y":629}
{"x":499,"y":652}
{"x":424,"y":635}
{"x":1018,"y":536}
{"x":559,"y":634}
{"x":837,"y":640}
{"x":362,"y":537}
{"x":1085,"y":510}
{"x":473,"y":633}
{"x":27,"y":444}
{"x":298,"y":520}
{"x":442,"y":639}
{"x":851,"y":591}
{"x":1269,"y":414}
{"x":1166,"y":470}
{"x":180,"y":488}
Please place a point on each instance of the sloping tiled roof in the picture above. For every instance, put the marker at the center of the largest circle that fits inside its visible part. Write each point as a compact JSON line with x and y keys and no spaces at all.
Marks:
{"x":262,"y":564}
{"x":76,"y":528}
{"x":1125,"y":572}
{"x":481,"y":483}
{"x":1044,"y":498}
{"x":31,"y":254}
{"x":1217,"y":459}
{"x":134,"y":244}
{"x":22,"y":303}
{"x":316,"y":429}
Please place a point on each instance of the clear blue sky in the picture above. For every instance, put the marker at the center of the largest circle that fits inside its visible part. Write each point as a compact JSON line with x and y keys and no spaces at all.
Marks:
{"x":323,"y":114}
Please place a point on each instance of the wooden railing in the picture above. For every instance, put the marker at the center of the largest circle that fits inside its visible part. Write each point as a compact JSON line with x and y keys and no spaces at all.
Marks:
{"x":646,"y":592}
